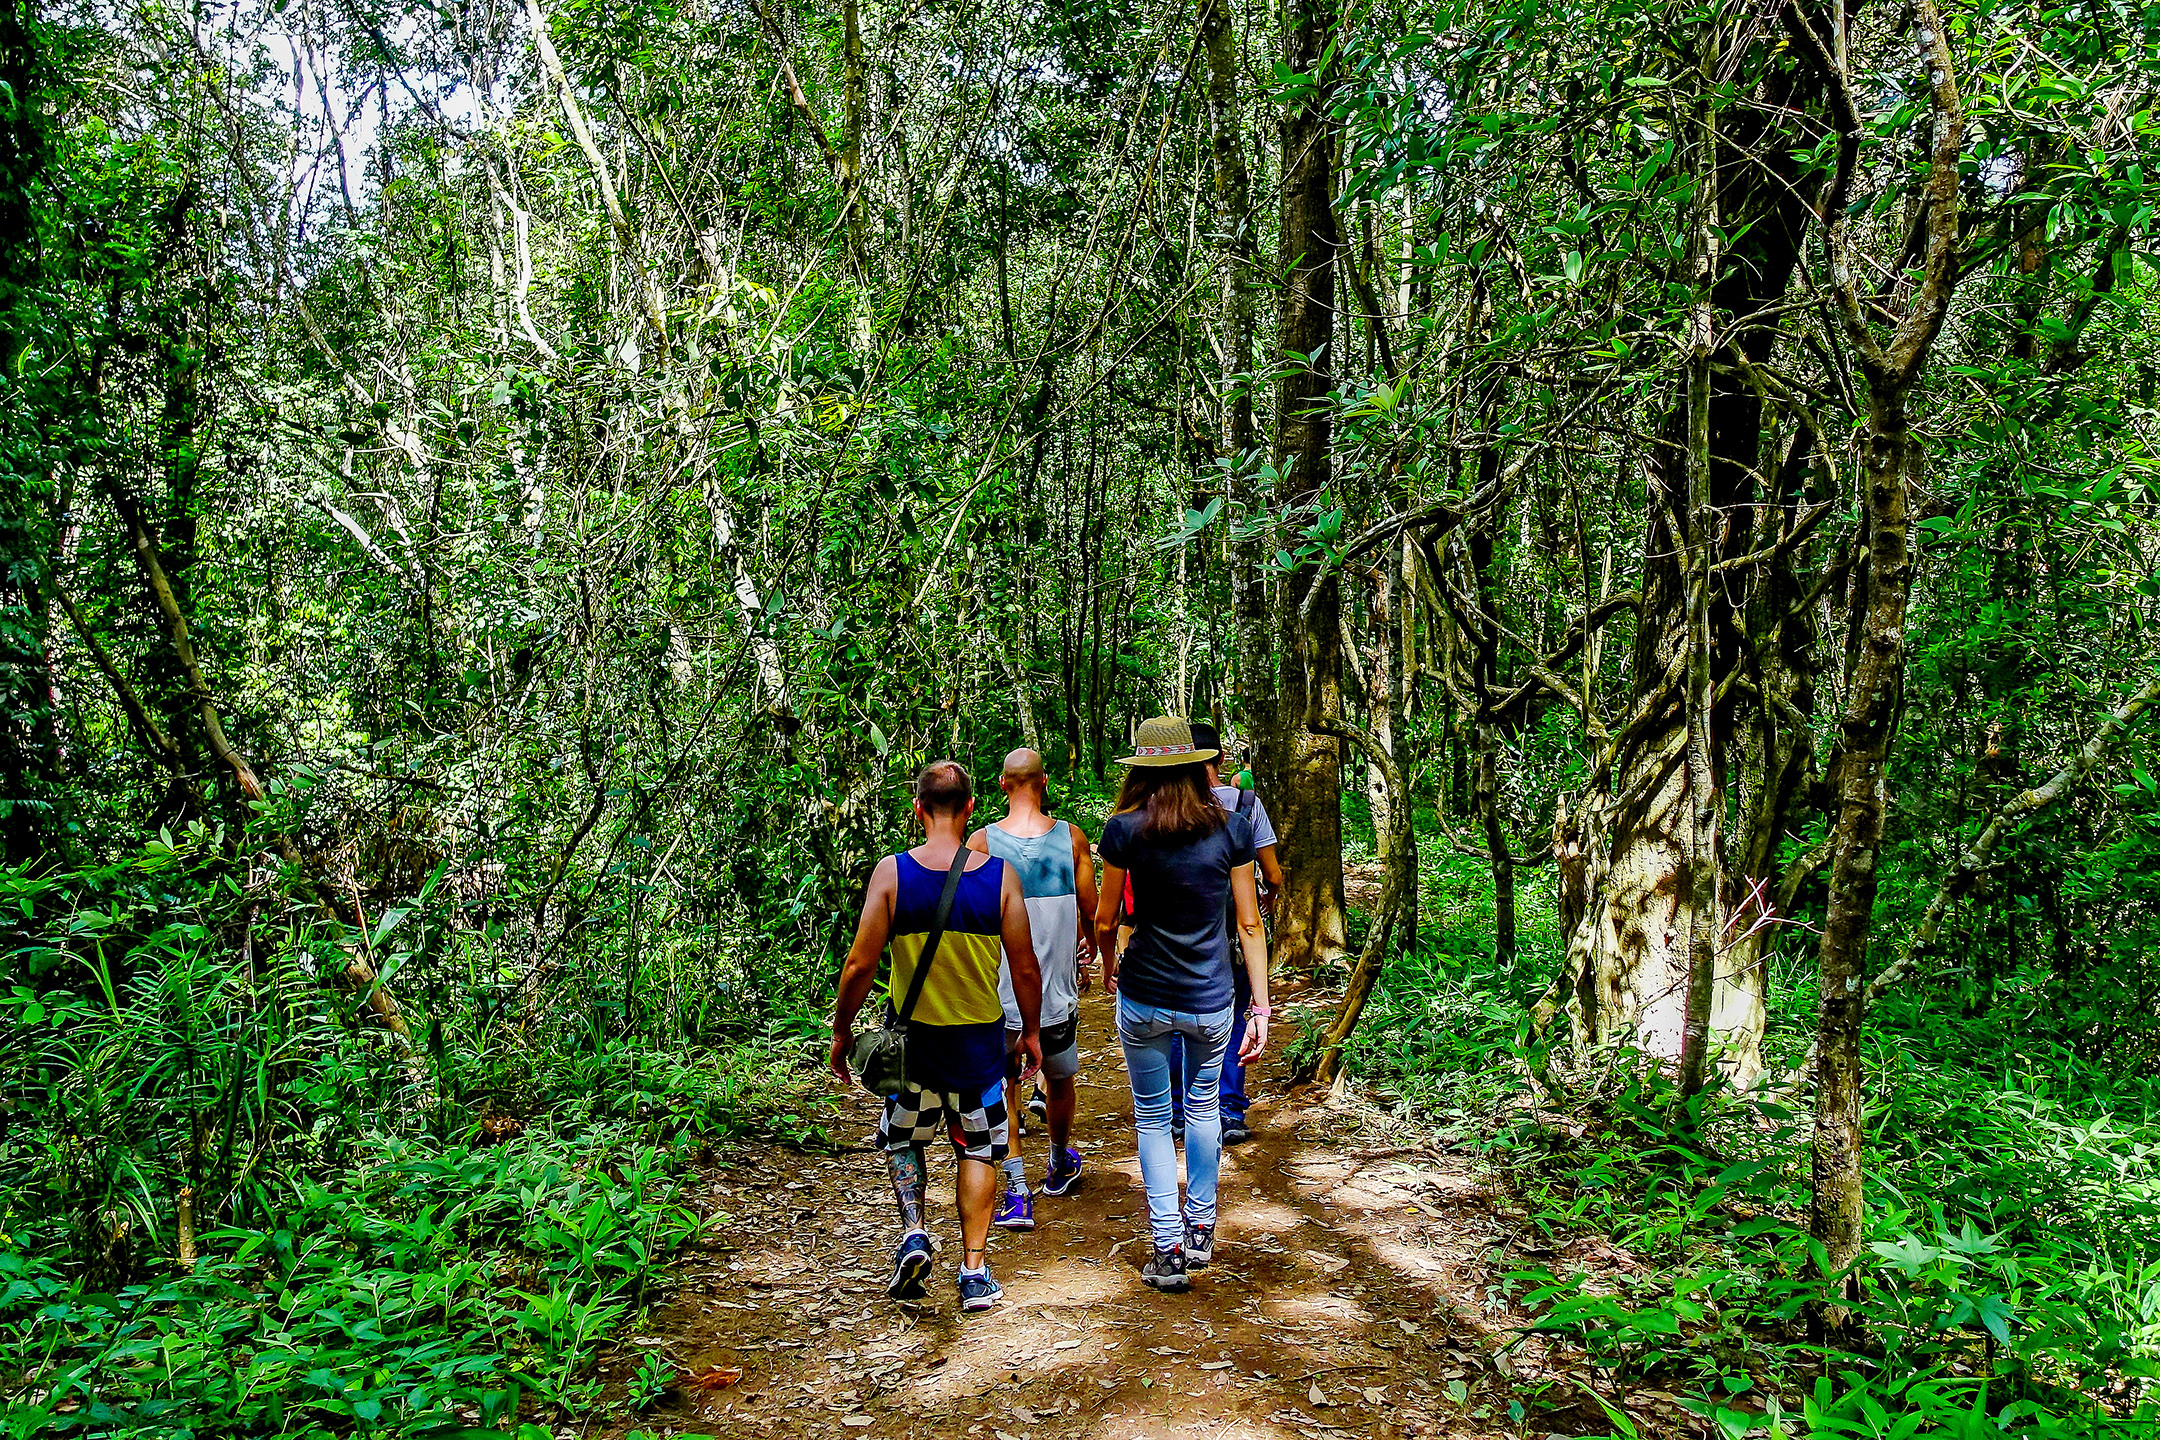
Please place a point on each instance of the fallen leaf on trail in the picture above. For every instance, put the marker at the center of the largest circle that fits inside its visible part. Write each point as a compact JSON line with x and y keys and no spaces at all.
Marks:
{"x":1066,"y":1345}
{"x":1107,"y":1384}
{"x":857,"y":1421}
{"x":713,"y":1377}
{"x":1375,"y":1396}
{"x":1329,"y":1263}
{"x":1005,"y":1435}
{"x":1316,"y":1396}
{"x":1458,"y":1392}
{"x":1148,"y":1381}
{"x":1407,"y":1327}
{"x":1218,"y":1364}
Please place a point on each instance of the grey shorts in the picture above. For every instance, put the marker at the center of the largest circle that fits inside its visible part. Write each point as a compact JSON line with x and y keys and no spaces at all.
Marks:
{"x":1060,"y":1046}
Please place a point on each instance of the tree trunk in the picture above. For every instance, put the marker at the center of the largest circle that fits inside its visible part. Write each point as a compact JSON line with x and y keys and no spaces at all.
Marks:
{"x":1637,"y":912}
{"x":1303,"y":770}
{"x":1398,"y":858}
{"x":1254,"y":671}
{"x":1890,"y":464}
{"x":855,"y":89}
{"x":1889,"y":458}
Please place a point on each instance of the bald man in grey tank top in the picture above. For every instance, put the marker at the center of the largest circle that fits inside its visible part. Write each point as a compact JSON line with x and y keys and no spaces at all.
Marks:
{"x":1057,"y":880}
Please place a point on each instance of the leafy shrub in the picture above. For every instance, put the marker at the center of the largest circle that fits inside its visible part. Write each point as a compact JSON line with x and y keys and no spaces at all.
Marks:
{"x":413,"y":1241}
{"x":2012,"y":1276}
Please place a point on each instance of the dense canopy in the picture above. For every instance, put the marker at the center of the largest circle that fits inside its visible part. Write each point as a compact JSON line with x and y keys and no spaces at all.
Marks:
{"x":498,"y":502}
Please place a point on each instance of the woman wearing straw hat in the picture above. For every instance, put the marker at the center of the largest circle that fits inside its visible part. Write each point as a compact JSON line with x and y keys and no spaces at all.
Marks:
{"x":1190,"y":860}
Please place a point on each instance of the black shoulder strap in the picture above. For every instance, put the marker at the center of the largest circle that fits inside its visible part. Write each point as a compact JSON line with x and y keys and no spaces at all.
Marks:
{"x":1246,"y":799}
{"x":937,"y":933}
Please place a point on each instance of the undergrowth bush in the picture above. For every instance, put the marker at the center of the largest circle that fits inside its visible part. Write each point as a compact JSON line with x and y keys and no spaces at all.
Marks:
{"x":2012,"y":1275}
{"x":232,"y":1203}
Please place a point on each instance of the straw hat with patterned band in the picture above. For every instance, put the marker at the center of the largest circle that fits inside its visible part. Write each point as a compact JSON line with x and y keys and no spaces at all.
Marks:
{"x":1166,"y":740}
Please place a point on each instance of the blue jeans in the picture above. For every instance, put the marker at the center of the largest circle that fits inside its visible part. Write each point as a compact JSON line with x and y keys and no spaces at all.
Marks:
{"x":1147,"y":1033}
{"x":1232,"y":1088}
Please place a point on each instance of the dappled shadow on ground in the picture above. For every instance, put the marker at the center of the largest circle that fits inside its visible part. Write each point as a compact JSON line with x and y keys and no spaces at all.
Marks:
{"x":1354,"y":1294}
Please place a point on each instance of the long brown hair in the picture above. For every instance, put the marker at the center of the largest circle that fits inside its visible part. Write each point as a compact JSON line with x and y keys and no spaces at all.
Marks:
{"x":1174,"y":801}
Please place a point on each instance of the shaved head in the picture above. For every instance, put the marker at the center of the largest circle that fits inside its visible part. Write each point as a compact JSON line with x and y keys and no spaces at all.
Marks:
{"x":1023,"y":767}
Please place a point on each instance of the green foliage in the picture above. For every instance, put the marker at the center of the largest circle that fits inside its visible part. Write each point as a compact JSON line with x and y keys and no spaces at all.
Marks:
{"x":2011,"y":1280}
{"x":389,"y":1243}
{"x":432,"y":1288}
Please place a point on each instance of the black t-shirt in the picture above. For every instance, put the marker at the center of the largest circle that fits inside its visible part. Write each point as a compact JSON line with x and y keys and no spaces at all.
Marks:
{"x":1179,"y":957}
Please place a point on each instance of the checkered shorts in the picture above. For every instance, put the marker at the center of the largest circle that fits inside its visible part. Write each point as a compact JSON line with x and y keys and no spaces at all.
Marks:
{"x":976,"y":1126}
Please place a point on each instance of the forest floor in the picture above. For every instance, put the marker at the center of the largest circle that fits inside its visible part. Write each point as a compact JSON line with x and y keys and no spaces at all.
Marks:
{"x":1354,"y":1293}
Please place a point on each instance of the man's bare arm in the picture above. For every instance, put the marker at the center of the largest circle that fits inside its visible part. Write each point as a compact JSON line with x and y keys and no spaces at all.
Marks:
{"x":872,"y":929}
{"x":1270,"y":867}
{"x":1084,"y":887}
{"x":1026,"y":974}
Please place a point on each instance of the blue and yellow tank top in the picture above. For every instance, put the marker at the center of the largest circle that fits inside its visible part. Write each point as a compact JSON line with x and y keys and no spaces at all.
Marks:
{"x":963,"y":984}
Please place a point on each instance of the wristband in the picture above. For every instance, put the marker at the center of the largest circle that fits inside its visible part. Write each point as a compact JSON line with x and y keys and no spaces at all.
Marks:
{"x":1260,"y":1010}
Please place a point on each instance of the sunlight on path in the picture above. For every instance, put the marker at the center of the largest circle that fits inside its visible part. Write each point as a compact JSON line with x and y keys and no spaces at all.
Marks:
{"x":1345,"y":1299}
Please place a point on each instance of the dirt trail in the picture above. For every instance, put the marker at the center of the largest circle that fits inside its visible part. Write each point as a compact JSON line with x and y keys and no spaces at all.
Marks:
{"x":1348,"y":1296}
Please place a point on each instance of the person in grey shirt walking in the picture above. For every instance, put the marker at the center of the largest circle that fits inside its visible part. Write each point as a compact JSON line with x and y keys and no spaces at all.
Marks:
{"x":1057,"y":880}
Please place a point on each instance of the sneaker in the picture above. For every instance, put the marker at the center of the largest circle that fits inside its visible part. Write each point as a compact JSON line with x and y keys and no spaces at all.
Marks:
{"x":1165,"y":1270}
{"x":1235,"y":1131}
{"x":1199,"y":1246}
{"x":1177,"y":1133}
{"x":1064,"y":1173}
{"x":1016,"y":1211}
{"x":978,"y":1290}
{"x":1038,"y":1105}
{"x":911,"y":1268}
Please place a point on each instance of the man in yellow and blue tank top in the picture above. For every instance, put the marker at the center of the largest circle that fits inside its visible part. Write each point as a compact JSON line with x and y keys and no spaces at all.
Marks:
{"x":956,"y":1037}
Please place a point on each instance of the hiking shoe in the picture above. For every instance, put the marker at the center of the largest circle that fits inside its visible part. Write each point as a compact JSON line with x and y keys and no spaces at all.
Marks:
{"x":1016,"y":1211}
{"x":978,"y":1290}
{"x":1064,"y":1175}
{"x":1165,"y":1270}
{"x":1235,"y":1131}
{"x":911,"y":1267}
{"x":1177,"y":1133}
{"x":1199,"y":1246}
{"x":1038,"y":1105}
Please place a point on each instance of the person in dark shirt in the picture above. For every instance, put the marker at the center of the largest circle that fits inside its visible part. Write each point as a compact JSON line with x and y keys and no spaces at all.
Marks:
{"x":1188,"y":859}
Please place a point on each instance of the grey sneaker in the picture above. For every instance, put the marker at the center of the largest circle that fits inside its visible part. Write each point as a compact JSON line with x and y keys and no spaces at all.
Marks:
{"x":1165,"y":1270}
{"x":1199,"y":1246}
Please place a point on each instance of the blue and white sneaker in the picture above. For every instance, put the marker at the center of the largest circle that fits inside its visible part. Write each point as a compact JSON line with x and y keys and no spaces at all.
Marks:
{"x":911,"y":1268}
{"x":1064,"y":1175}
{"x":1016,"y":1211}
{"x":979,"y":1290}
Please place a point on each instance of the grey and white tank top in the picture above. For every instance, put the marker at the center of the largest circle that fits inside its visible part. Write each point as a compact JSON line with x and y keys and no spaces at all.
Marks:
{"x":1051,"y":889}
